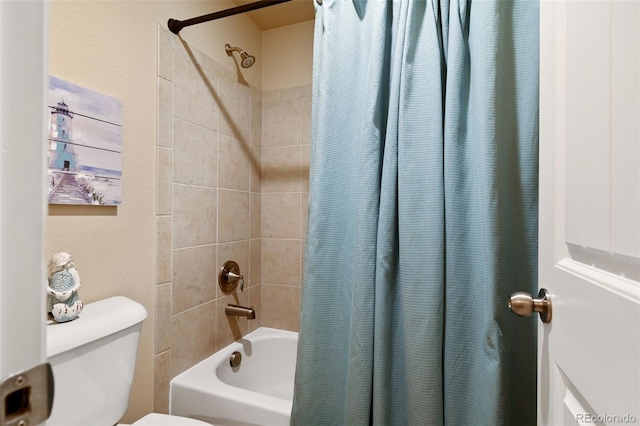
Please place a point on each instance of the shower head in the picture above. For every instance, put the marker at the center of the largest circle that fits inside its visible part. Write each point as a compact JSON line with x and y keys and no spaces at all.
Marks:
{"x":246,"y":59}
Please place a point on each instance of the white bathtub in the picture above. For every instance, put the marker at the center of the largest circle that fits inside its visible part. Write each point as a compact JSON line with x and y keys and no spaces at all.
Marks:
{"x":257,"y":392}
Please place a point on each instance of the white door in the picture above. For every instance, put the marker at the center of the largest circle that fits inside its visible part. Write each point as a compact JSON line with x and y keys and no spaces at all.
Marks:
{"x":589,"y":247}
{"x":23,"y":89}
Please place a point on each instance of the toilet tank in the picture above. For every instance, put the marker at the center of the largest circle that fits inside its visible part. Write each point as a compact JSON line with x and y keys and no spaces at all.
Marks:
{"x":93,"y":359}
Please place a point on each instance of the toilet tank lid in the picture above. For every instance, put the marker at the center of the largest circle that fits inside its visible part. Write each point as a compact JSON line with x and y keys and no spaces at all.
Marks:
{"x":97,"y":320}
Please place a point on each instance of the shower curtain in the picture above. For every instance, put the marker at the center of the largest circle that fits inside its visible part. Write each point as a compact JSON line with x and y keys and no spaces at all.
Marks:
{"x":422,"y":215}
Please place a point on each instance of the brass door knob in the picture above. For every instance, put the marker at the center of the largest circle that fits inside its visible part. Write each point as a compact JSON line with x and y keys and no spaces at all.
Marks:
{"x":523,"y":304}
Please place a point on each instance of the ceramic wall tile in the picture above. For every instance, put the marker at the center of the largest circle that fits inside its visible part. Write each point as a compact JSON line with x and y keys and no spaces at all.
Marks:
{"x":234,"y":164}
{"x":164,"y":113}
{"x":162,"y":379}
{"x":280,"y":307}
{"x":305,"y":120}
{"x":271,"y":96}
{"x":235,"y":112}
{"x":193,"y":337}
{"x":194,"y":215}
{"x":280,"y":262}
{"x":255,"y":300}
{"x":304,"y":214}
{"x":305,"y":153}
{"x":163,"y":249}
{"x":256,"y":215}
{"x":255,"y":249}
{"x":256,"y":169}
{"x":292,"y":92}
{"x":281,"y":123}
{"x":163,"y":318}
{"x":195,"y":277}
{"x":256,"y":119}
{"x":195,"y":154}
{"x":307,"y":91}
{"x":218,"y":200}
{"x":233,"y":216}
{"x":195,"y":94}
{"x":281,"y":215}
{"x":281,"y":169}
{"x":164,"y":178}
{"x":165,"y":55}
{"x":213,"y":66}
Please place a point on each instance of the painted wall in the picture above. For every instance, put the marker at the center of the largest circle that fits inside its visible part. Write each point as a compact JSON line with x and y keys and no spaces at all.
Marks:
{"x":288,"y":56}
{"x":111,"y":47}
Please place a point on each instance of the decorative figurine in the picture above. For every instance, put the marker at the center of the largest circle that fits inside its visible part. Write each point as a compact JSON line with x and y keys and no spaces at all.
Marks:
{"x":63,"y":303}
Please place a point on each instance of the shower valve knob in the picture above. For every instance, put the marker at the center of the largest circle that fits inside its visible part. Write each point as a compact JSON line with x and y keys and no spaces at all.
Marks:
{"x":230,"y":276}
{"x":522,"y":304}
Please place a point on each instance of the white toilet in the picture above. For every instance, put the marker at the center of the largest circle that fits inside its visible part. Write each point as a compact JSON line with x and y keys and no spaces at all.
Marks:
{"x":93,"y":358}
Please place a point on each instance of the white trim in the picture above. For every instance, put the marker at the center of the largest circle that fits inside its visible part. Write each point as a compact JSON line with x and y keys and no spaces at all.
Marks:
{"x":23,"y":88}
{"x":621,"y":286}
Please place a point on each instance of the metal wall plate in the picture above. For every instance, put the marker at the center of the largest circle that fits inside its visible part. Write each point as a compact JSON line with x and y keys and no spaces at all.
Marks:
{"x":229,"y":276}
{"x":27,"y":397}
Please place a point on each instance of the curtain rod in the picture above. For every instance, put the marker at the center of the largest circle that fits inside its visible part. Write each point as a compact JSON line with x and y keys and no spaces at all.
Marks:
{"x":176,"y":25}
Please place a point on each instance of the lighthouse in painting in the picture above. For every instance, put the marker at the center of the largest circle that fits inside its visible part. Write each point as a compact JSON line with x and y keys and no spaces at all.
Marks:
{"x":84,"y":145}
{"x":62,"y":155}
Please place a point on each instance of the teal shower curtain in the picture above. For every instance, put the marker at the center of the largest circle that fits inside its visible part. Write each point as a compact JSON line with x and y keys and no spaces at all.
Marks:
{"x":422,"y":215}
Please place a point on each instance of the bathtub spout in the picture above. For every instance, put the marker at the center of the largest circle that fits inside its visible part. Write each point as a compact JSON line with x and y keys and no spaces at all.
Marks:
{"x":240,"y":311}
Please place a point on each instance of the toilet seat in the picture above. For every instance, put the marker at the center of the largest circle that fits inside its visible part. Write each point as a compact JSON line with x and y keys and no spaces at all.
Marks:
{"x":156,"y":419}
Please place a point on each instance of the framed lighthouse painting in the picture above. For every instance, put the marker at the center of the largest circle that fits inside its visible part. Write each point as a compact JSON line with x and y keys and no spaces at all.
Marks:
{"x":84,"y":144}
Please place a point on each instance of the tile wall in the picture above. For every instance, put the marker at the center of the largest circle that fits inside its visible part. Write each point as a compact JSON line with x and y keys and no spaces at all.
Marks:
{"x":232,"y":173}
{"x":286,"y":137}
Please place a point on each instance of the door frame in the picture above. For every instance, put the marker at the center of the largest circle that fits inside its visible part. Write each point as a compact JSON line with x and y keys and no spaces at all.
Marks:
{"x":24,"y":30}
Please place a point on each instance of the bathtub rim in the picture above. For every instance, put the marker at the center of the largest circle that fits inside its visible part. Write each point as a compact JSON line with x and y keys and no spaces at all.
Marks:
{"x":193,"y":380}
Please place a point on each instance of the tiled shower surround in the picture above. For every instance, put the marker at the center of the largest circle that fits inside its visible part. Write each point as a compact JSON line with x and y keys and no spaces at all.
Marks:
{"x":232,"y":184}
